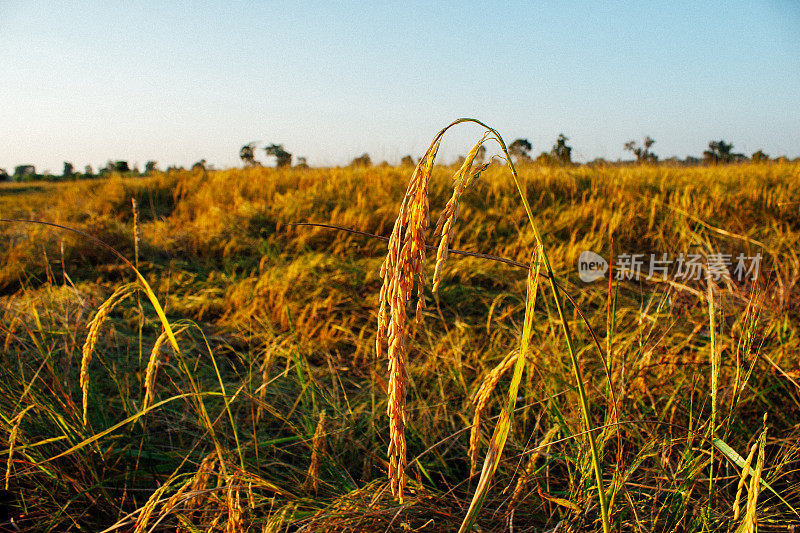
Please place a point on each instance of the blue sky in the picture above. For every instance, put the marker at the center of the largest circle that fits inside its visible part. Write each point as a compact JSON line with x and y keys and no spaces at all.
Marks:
{"x":179,"y":81}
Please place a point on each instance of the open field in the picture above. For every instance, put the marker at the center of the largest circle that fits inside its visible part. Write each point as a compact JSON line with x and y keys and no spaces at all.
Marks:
{"x":272,"y":416}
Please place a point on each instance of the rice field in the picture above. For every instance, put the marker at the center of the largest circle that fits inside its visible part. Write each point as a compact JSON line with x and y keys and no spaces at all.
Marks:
{"x":184,"y":352}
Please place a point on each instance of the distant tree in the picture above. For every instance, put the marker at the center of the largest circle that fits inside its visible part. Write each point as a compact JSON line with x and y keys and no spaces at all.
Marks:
{"x":200,"y":165}
{"x":88,"y":171}
{"x":407,"y":161}
{"x":642,"y":153}
{"x":459,"y":161}
{"x":759,"y":157}
{"x":24,"y":173}
{"x":561,"y":151}
{"x":247,"y":154}
{"x":119,"y":166}
{"x":721,"y":152}
{"x":282,"y":157}
{"x":361,"y":161}
{"x":4,"y":176}
{"x":519,"y":150}
{"x":150,"y":167}
{"x":302,"y":162}
{"x":68,"y":171}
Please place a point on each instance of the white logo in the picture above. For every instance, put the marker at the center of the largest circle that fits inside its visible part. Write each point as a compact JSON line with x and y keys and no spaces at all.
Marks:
{"x":591,"y":266}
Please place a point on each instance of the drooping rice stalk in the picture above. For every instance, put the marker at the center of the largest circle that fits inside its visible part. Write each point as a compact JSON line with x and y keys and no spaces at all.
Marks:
{"x":750,"y":521}
{"x":403,"y":267}
{"x":743,"y":480}
{"x":317,"y":449}
{"x":481,"y":402}
{"x":528,"y":473}
{"x":12,"y":439}
{"x":150,"y":371}
{"x":94,"y":333}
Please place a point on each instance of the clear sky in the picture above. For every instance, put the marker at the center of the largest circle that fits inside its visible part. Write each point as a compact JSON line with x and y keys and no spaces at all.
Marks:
{"x":89,"y":81}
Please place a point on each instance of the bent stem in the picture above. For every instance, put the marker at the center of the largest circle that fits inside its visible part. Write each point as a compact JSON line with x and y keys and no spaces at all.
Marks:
{"x":578,"y":373}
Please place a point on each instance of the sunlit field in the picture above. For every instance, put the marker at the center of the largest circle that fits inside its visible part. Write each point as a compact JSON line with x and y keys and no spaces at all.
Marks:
{"x":236,"y":385}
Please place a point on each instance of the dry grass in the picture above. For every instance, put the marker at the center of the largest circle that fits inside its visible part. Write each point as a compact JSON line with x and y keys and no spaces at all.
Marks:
{"x":288,"y":319}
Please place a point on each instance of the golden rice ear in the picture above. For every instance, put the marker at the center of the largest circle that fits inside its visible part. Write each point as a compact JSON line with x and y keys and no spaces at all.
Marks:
{"x":481,"y":401}
{"x":401,"y":271}
{"x":317,"y":449}
{"x":743,"y":479}
{"x":12,"y":439}
{"x":150,"y":371}
{"x":152,"y":365}
{"x":750,"y":522}
{"x":94,"y":333}
{"x":526,"y":476}
{"x":444,"y":225}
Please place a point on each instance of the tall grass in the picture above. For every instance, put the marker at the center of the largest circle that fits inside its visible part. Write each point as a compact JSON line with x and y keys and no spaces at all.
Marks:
{"x":272,"y":415}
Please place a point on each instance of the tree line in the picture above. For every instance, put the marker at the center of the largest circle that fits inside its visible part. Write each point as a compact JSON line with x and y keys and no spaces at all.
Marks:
{"x":718,"y":152}
{"x":24,"y":173}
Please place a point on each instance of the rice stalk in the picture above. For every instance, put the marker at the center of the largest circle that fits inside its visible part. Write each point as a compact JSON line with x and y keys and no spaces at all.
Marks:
{"x":750,"y":522}
{"x":12,"y":439}
{"x":576,"y":368}
{"x":530,"y":468}
{"x":317,"y":449}
{"x":503,"y":426}
{"x":742,"y":480}
{"x":715,"y":363}
{"x":91,"y":339}
{"x":150,"y":371}
{"x":481,"y":401}
{"x":402,"y":268}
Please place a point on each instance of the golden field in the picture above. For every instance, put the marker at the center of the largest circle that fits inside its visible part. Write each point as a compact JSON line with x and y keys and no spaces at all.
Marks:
{"x":272,"y":413}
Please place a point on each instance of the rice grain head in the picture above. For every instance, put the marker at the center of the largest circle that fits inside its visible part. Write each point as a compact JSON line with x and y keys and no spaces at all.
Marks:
{"x":150,"y":506}
{"x":135,"y":210}
{"x":94,"y":332}
{"x":150,"y":371}
{"x":401,"y":270}
{"x":743,"y":479}
{"x":750,"y":522}
{"x":444,"y":226}
{"x":481,"y":402}
{"x":12,"y":438}
{"x":526,"y":476}
{"x":234,"y":504}
{"x":317,"y":449}
{"x":176,"y":498}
